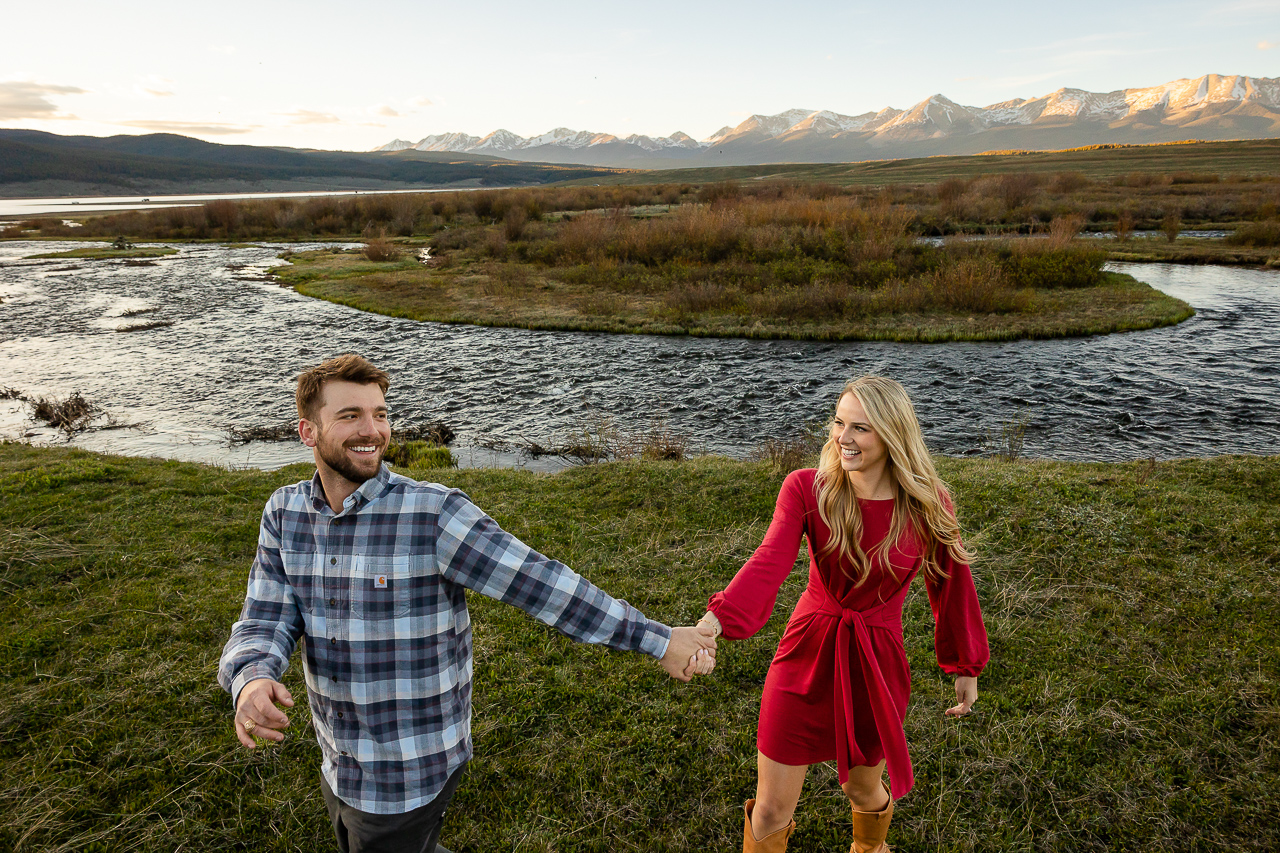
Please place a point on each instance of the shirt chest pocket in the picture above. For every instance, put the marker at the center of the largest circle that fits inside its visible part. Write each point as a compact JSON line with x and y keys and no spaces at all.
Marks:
{"x":382,"y":587}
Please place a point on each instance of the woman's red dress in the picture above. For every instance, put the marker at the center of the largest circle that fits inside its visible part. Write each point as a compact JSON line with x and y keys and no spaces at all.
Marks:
{"x":839,"y":683}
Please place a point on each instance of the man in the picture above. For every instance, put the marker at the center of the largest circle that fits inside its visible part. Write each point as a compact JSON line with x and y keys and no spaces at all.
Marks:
{"x":371,"y":567}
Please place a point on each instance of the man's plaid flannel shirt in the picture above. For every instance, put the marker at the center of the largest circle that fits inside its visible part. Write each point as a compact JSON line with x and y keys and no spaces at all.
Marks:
{"x":377,"y":589}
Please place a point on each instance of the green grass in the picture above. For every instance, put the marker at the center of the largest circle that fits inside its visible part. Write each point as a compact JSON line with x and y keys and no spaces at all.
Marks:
{"x":96,"y":253}
{"x":1191,"y":250}
{"x":1132,"y":702}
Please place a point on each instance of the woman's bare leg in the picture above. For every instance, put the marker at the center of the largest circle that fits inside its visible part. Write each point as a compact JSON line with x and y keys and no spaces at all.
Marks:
{"x":865,"y":788}
{"x":778,"y":789}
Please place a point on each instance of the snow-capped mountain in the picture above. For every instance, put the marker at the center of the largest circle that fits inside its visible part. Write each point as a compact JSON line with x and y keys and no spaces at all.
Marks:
{"x":1208,"y":107}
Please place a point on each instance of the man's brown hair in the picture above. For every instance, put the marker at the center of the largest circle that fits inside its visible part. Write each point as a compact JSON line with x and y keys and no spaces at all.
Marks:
{"x":344,"y":368}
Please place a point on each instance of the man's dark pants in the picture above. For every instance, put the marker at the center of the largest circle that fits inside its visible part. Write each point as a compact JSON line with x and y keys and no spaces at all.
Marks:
{"x":412,"y":832}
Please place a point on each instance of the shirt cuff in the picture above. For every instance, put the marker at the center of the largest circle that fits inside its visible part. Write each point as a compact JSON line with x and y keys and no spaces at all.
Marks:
{"x":655,"y":640}
{"x":252,"y":672}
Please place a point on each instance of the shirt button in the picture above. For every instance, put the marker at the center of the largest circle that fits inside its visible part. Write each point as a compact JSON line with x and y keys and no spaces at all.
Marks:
{"x":333,"y":601}
{"x":333,"y":561}
{"x":333,"y":641}
{"x":339,"y":715}
{"x":344,"y":752}
{"x":334,"y":678}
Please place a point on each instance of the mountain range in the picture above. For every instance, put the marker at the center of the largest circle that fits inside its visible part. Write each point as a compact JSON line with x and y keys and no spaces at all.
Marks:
{"x":1211,"y":107}
{"x":34,"y":164}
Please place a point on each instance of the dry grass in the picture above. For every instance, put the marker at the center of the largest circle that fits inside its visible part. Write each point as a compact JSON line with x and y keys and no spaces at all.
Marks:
{"x":784,"y":455}
{"x":71,"y":415}
{"x":381,"y":250}
{"x":431,"y":433}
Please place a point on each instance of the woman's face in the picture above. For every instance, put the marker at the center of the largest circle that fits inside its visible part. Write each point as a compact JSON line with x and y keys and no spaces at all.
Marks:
{"x":861,"y":449}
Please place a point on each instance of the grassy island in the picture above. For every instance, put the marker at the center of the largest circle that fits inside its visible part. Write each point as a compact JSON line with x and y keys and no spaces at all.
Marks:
{"x":1132,"y":701}
{"x":781,"y":262}
{"x":108,"y":253}
{"x":489,"y":294}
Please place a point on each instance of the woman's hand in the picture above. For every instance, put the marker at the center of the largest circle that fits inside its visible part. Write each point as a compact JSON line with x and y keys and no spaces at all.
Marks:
{"x":966,"y":694}
{"x":703,"y":661}
{"x":693,"y":644}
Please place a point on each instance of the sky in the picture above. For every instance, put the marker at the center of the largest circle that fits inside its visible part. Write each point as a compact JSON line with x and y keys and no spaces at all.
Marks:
{"x":346,"y":76}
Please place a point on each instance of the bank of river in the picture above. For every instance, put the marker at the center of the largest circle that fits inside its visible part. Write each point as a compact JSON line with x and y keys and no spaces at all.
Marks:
{"x":1202,"y":388}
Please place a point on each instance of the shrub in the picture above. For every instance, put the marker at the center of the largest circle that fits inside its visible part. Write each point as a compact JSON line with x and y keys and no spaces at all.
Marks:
{"x":1063,"y":229}
{"x":379,"y":249}
{"x":1171,"y":225}
{"x":1257,"y":234}
{"x":1037,"y":263}
{"x":223,"y":214}
{"x":1124,"y":225}
{"x":513,"y":222}
{"x":1016,"y":189}
{"x":1068,"y":182}
{"x":972,"y":284}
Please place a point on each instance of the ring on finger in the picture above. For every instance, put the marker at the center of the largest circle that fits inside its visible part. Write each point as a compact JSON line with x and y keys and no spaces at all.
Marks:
{"x":249,"y":726}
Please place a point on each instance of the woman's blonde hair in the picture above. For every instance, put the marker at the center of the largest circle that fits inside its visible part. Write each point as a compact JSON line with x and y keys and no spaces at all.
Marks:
{"x":919,"y":504}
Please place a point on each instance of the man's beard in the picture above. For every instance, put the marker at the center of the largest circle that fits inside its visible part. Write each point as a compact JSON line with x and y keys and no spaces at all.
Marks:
{"x":336,"y":458}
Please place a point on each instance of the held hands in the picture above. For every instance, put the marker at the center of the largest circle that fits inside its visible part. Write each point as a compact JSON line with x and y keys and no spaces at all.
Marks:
{"x":692,"y":651}
{"x":257,"y":714}
{"x":966,"y":695}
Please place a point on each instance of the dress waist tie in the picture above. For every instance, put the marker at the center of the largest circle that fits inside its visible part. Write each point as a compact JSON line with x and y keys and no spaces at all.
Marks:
{"x":853,"y":633}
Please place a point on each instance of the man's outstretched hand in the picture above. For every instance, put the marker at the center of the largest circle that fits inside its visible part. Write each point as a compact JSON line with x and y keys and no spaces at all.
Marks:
{"x":692,"y":651}
{"x":257,"y":714}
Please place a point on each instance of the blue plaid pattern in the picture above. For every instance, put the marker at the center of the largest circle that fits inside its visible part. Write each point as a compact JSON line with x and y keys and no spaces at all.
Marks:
{"x":378,"y":592}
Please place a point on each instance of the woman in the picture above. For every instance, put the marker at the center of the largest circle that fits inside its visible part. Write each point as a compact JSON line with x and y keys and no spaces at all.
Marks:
{"x":875,"y":514}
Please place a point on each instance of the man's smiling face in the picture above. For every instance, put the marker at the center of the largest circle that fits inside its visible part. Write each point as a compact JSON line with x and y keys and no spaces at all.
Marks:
{"x":351,"y":432}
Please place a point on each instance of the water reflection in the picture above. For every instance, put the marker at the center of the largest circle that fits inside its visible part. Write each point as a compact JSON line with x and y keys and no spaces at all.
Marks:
{"x":1205,"y":387}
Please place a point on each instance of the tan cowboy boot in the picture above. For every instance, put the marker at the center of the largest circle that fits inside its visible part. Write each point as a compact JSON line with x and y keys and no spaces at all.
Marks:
{"x":870,"y":830}
{"x":774,"y":842}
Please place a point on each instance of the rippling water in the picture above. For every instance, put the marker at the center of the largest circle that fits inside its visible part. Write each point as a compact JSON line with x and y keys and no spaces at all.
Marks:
{"x":1206,"y":387}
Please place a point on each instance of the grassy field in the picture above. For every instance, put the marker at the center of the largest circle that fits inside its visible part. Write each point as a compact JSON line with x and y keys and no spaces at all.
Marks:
{"x":1258,"y":157}
{"x":1132,"y":702}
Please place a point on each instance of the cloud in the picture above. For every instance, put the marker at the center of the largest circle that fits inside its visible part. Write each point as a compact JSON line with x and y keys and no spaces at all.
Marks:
{"x":422,"y":102}
{"x":384,"y":110}
{"x":311,"y":117}
{"x":20,"y":99}
{"x":1267,"y":45}
{"x":156,"y":87}
{"x":190,"y":128}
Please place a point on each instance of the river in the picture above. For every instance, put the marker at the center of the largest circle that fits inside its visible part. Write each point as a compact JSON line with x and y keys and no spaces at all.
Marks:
{"x":1203,"y":388}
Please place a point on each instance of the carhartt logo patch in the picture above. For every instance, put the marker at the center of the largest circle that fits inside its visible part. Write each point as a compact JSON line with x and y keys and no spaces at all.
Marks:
{"x":380,"y":581}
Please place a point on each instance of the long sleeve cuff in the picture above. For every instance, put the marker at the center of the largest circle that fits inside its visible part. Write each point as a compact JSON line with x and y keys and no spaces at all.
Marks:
{"x":252,"y":672}
{"x":966,"y":669}
{"x":655,"y":640}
